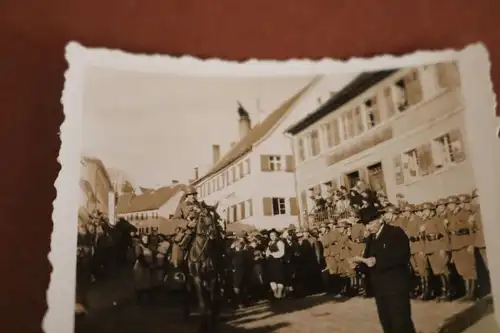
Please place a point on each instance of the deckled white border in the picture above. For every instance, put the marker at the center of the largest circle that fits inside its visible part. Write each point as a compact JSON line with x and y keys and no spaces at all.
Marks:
{"x":478,"y":93}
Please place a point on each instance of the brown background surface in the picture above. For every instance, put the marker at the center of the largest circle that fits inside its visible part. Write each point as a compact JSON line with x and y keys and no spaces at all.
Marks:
{"x":33,"y":35}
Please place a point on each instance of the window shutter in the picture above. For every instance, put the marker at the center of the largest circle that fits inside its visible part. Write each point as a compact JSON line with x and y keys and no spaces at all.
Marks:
{"x":294,"y":210}
{"x":391,"y":108}
{"x":426,"y":165}
{"x":242,"y":208}
{"x":227,"y":214}
{"x":264,"y":163}
{"x":363,"y":175}
{"x":248,"y":166}
{"x":250,"y":208}
{"x":336,"y":131}
{"x":233,"y":171}
{"x":303,"y":198}
{"x":242,"y":170}
{"x":457,"y":146}
{"x":290,"y":167}
{"x":413,"y":87}
{"x":398,"y":170}
{"x":267,"y":205}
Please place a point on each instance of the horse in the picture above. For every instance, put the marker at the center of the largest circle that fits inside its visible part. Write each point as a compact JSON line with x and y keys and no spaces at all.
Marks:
{"x":203,"y":265}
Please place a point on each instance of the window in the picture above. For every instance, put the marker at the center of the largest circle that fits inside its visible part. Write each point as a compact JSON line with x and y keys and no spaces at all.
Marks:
{"x":411,"y":164}
{"x":336,"y":131}
{"x":301,"y":150}
{"x":275,"y":163}
{"x":249,"y":208}
{"x":407,"y":91}
{"x":443,"y":151}
{"x":347,"y":120}
{"x":328,"y":134}
{"x":315,"y":147}
{"x":279,"y":206}
{"x":372,"y":112}
{"x":247,"y":163}
{"x":241,"y":210}
{"x":228,"y":177}
{"x":358,"y":121}
{"x":233,"y":174}
{"x":241,"y":170}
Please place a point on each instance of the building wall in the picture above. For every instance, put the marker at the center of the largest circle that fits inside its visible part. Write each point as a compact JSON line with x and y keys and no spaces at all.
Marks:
{"x":439,"y":111}
{"x":171,"y":205}
{"x":95,"y":174}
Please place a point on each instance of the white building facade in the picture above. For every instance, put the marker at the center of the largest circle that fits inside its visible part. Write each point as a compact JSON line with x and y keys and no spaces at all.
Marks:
{"x":254,"y":182}
{"x":401,"y":131}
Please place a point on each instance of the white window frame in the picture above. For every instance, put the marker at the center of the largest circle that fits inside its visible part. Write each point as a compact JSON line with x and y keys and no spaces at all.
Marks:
{"x":281,"y":202}
{"x":411,"y":157}
{"x":441,"y":146}
{"x":275,"y":162}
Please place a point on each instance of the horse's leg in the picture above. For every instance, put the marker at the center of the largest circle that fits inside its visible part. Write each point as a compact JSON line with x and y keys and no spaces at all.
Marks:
{"x":215,"y":302}
{"x":186,"y":299}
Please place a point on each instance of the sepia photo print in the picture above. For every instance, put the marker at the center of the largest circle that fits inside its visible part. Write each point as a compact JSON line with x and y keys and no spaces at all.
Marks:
{"x":340,"y":201}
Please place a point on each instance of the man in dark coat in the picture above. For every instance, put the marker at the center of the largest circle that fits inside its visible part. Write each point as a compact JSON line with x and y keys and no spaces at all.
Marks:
{"x":386,"y":261}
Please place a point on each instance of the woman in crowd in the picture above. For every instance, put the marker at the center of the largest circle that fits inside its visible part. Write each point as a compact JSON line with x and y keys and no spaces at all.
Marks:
{"x":274,"y":253}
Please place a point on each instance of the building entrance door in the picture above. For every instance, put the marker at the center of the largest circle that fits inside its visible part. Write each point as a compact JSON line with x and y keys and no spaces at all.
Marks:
{"x":376,"y":178}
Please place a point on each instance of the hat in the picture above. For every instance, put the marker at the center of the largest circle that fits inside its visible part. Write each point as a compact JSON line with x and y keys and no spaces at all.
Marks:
{"x":390,"y":209}
{"x":400,"y":196}
{"x":273,"y":230}
{"x":441,"y":202}
{"x":452,"y":199}
{"x":322,"y":225}
{"x":409,"y":208}
{"x":428,"y":205}
{"x":475,"y":193}
{"x":191,"y":190}
{"x":292,"y":227}
{"x":464,"y":198}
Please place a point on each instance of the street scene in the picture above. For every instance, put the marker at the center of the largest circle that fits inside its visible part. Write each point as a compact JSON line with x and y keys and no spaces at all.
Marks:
{"x":335,"y":203}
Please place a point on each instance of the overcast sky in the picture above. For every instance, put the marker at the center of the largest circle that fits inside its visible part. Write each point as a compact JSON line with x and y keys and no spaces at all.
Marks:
{"x":158,"y":127}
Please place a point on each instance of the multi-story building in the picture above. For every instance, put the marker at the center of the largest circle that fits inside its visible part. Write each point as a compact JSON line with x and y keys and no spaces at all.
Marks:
{"x":402,"y":131}
{"x":152,"y":207}
{"x":254,"y":181}
{"x":96,"y":187}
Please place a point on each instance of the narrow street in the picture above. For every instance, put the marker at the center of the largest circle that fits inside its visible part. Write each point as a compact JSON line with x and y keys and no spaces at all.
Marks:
{"x":314,"y":314}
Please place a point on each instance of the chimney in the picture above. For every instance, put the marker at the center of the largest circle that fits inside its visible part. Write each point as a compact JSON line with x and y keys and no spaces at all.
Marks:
{"x":215,"y":154}
{"x":244,"y":122}
{"x":196,"y":174}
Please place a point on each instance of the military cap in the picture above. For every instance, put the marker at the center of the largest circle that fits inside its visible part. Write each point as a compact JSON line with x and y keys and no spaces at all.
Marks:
{"x":464,"y":198}
{"x":322,"y":225}
{"x":475,"y":193}
{"x":390,"y":209}
{"x":428,"y":205}
{"x":400,"y":196}
{"x":442,"y":202}
{"x":343,"y":223}
{"x":453,"y":199}
{"x":409,"y":207}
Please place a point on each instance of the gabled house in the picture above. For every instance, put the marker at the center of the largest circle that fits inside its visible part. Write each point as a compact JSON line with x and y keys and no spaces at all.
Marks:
{"x":254,"y":181}
{"x":401,"y":131}
{"x":146,"y":210}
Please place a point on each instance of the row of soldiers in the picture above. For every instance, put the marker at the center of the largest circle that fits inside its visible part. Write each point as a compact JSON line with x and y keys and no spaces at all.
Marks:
{"x":445,"y":236}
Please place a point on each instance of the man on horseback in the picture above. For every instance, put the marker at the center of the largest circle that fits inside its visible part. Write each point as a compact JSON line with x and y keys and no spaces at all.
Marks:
{"x":201,"y":243}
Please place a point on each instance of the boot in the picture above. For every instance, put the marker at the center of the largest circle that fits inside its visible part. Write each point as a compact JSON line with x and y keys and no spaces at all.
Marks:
{"x":445,"y":289}
{"x":425,"y":292}
{"x":470,"y":291}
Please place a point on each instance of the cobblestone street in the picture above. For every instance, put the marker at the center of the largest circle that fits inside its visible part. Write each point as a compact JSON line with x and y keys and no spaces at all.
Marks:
{"x":315,"y":314}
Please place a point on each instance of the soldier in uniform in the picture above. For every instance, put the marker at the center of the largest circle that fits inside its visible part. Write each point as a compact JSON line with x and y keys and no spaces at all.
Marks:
{"x":330,"y":268}
{"x":418,"y":260}
{"x":357,"y":245}
{"x":462,"y":243}
{"x":347,"y":274}
{"x":437,"y":247}
{"x":391,"y":216}
{"x":479,"y":242}
{"x":185,"y":209}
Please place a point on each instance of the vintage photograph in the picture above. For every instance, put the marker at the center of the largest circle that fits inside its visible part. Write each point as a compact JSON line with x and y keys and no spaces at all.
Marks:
{"x":342,"y":202}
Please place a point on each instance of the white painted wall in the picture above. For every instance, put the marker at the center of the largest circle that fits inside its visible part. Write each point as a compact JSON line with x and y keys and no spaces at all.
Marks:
{"x":438,"y":114}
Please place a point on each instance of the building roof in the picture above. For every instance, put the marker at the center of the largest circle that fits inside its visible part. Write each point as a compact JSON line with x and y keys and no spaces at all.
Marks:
{"x":150,"y":200}
{"x":100,"y":165}
{"x":258,"y":132}
{"x":357,"y":86}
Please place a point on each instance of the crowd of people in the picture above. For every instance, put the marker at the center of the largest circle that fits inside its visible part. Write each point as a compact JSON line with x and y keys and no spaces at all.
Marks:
{"x":445,"y":236}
